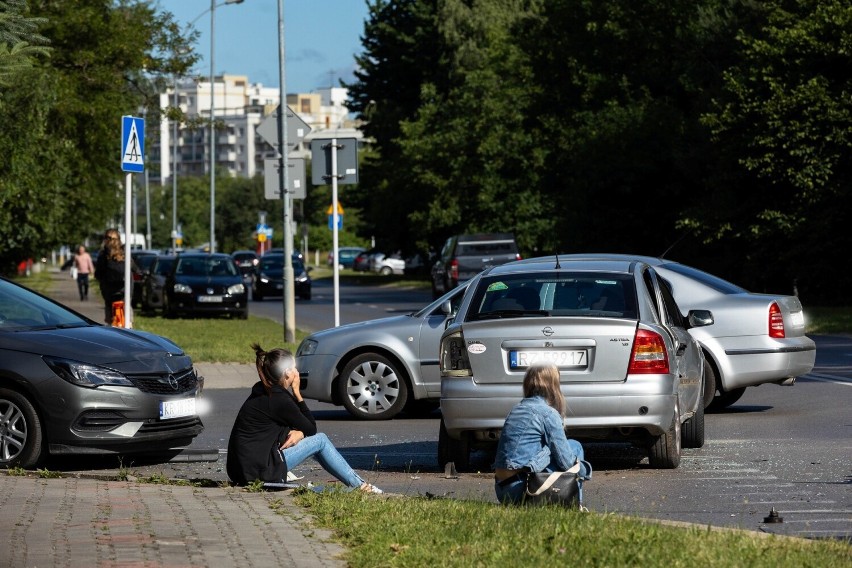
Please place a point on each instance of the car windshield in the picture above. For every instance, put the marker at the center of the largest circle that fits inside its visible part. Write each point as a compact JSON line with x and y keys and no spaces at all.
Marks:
{"x":163,"y":266}
{"x":207,"y":266}
{"x":558,"y":294}
{"x":23,"y":310}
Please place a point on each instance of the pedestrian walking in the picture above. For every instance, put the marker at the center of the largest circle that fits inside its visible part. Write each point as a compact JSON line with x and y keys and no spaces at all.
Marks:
{"x":84,"y":265}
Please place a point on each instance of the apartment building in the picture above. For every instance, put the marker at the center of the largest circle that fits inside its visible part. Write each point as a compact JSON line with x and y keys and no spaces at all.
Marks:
{"x":239,"y":106}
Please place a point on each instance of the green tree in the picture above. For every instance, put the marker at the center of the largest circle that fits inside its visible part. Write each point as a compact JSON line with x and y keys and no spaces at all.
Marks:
{"x":60,"y":123}
{"x":20,"y":42}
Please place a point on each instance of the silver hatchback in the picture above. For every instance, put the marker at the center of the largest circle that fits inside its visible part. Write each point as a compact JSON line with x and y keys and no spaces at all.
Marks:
{"x":630,"y":370}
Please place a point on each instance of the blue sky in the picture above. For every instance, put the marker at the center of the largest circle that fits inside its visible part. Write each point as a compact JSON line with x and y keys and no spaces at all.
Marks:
{"x":321,"y":38}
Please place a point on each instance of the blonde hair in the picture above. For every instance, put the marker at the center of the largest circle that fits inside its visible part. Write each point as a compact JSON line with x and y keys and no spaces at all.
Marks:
{"x":271,"y":365}
{"x":543,"y":381}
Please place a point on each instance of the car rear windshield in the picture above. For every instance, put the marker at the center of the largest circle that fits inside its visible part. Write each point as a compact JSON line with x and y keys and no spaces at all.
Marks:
{"x":714,"y":282}
{"x":486,"y":248}
{"x":559,"y":294}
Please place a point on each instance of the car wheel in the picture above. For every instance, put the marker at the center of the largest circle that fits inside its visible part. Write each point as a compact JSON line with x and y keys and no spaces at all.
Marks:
{"x":693,"y":429}
{"x":372,"y":388}
{"x":257,"y":297}
{"x":726,"y":399}
{"x":709,"y":383}
{"x":168,"y":310}
{"x":386,"y":271}
{"x":21,"y":435}
{"x":664,"y":452}
{"x":452,"y":450}
{"x":306,"y":295}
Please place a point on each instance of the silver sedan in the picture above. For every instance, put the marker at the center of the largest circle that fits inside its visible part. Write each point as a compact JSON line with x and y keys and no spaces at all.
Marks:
{"x":757,"y":338}
{"x":377,"y":368}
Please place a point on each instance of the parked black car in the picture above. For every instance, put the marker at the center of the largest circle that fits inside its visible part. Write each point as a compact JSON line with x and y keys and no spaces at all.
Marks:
{"x":270,"y":278}
{"x":154,"y":282}
{"x":142,"y":261}
{"x":205,"y":283}
{"x":71,"y":385}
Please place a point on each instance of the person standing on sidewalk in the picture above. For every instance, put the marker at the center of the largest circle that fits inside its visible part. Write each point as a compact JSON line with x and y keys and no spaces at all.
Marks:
{"x":109,"y":271}
{"x":275,"y":429}
{"x":83,"y":264}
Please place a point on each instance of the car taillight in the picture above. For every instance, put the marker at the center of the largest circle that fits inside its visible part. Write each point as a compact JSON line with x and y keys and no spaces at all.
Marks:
{"x":517,"y":256}
{"x":649,"y":354}
{"x":454,"y":269}
{"x":776,"y":322}
{"x":454,"y":361}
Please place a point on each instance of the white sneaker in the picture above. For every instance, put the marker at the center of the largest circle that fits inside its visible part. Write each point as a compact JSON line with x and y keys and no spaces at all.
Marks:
{"x":371,"y":488}
{"x":293,"y":477}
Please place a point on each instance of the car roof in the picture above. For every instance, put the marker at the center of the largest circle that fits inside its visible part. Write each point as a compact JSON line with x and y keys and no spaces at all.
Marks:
{"x":552,"y":263}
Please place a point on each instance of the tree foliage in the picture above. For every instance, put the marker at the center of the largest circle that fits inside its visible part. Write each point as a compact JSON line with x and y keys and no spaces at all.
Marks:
{"x":60,"y":122}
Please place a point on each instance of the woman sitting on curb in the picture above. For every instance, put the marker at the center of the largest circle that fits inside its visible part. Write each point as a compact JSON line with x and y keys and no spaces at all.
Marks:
{"x":275,"y":429}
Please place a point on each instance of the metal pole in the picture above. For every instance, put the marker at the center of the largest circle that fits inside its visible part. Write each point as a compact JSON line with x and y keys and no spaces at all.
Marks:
{"x":289,"y":291}
{"x":334,"y":220}
{"x":128,"y":279}
{"x":212,"y":132}
{"x":174,"y":171}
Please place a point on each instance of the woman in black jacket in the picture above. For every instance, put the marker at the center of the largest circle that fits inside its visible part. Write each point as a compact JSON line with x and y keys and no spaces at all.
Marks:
{"x":275,"y":430}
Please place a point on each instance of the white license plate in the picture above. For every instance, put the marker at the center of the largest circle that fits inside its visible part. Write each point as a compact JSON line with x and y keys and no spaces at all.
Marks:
{"x":177,"y":408}
{"x":575,"y":358}
{"x":210,"y":299}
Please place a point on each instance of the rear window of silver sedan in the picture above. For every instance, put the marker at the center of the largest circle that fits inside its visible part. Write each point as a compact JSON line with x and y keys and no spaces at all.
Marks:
{"x":558,"y":294}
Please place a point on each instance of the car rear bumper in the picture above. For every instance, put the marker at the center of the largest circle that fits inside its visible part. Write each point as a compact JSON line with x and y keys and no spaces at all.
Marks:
{"x":769,"y":362}
{"x":610,"y":410}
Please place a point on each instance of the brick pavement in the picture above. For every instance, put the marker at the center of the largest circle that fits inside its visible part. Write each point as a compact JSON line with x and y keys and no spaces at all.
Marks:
{"x":92,"y":520}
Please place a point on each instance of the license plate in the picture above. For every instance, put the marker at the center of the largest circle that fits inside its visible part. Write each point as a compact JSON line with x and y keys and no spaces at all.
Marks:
{"x":210,"y":299}
{"x":574,"y":358}
{"x":177,"y":408}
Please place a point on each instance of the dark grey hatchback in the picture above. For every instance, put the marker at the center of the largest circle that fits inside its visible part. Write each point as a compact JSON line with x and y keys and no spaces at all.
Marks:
{"x":71,"y":385}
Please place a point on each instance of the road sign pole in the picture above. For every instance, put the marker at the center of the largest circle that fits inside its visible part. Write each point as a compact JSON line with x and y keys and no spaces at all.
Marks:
{"x":128,"y":279}
{"x":334,"y":231}
{"x":289,"y":288}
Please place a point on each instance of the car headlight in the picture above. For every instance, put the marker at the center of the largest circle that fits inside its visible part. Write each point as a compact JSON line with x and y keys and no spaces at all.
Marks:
{"x":182,"y":289}
{"x":85,"y":374}
{"x":302,"y":278}
{"x":236,"y":289}
{"x":264,"y":278}
{"x":307,"y":347}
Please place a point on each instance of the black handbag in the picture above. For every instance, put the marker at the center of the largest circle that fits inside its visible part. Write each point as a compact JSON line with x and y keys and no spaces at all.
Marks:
{"x":557,"y":487}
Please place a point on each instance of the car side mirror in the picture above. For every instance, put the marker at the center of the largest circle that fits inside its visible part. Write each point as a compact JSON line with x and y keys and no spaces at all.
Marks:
{"x":700,"y":318}
{"x":447,"y":308}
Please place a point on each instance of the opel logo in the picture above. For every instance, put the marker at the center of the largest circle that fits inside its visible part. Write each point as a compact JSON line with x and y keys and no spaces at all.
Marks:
{"x":173,"y":382}
{"x":547,"y":331}
{"x":210,"y":290}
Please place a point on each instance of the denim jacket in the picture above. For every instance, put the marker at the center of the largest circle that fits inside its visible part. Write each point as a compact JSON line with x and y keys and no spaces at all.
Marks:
{"x":534,"y":437}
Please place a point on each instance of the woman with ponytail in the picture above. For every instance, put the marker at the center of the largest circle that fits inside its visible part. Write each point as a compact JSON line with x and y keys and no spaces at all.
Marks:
{"x":275,"y":429}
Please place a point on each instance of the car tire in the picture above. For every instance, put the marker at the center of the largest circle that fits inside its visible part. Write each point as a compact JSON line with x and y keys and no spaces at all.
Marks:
{"x":709,"y":383}
{"x":21,"y":433}
{"x":257,"y":297}
{"x":372,"y":387}
{"x":168,"y":311}
{"x":452,"y":450}
{"x":692,"y":433}
{"x":386,"y":271}
{"x":726,"y":398}
{"x":306,"y":295}
{"x":665,"y":449}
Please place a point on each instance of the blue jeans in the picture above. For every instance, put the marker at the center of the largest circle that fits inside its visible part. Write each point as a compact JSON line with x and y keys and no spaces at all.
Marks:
{"x":321,"y":449}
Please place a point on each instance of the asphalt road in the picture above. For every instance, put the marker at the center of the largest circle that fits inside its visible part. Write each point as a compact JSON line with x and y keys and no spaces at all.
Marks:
{"x":787,"y":448}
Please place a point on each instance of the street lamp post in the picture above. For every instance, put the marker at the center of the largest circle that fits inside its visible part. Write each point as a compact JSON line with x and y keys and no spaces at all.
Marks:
{"x":174,"y":171}
{"x":213,"y":7}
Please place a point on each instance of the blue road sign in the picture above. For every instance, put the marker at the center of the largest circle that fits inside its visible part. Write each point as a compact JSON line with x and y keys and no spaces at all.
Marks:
{"x":132,"y":144}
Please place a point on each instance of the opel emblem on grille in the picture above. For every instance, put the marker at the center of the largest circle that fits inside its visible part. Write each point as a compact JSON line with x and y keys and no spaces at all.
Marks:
{"x":173,"y":382}
{"x":547,"y":331}
{"x":209,"y":290}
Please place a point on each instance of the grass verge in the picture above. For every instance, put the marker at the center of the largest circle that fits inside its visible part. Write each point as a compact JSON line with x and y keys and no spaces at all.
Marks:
{"x":417,"y":531}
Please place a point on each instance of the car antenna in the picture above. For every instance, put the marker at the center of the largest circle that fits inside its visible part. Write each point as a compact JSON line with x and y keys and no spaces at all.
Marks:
{"x":557,"y":262}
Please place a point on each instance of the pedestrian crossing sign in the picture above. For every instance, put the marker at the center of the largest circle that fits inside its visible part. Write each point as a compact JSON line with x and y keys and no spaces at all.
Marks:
{"x":132,"y":144}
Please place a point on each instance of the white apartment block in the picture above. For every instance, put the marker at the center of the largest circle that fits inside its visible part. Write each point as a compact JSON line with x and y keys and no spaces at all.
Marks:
{"x":241,"y":106}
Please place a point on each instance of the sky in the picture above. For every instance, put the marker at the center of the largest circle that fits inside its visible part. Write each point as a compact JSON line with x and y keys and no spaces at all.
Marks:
{"x":321,"y":38}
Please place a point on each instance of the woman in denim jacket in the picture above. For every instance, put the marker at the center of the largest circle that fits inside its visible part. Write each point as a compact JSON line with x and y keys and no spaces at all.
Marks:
{"x":533,"y":437}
